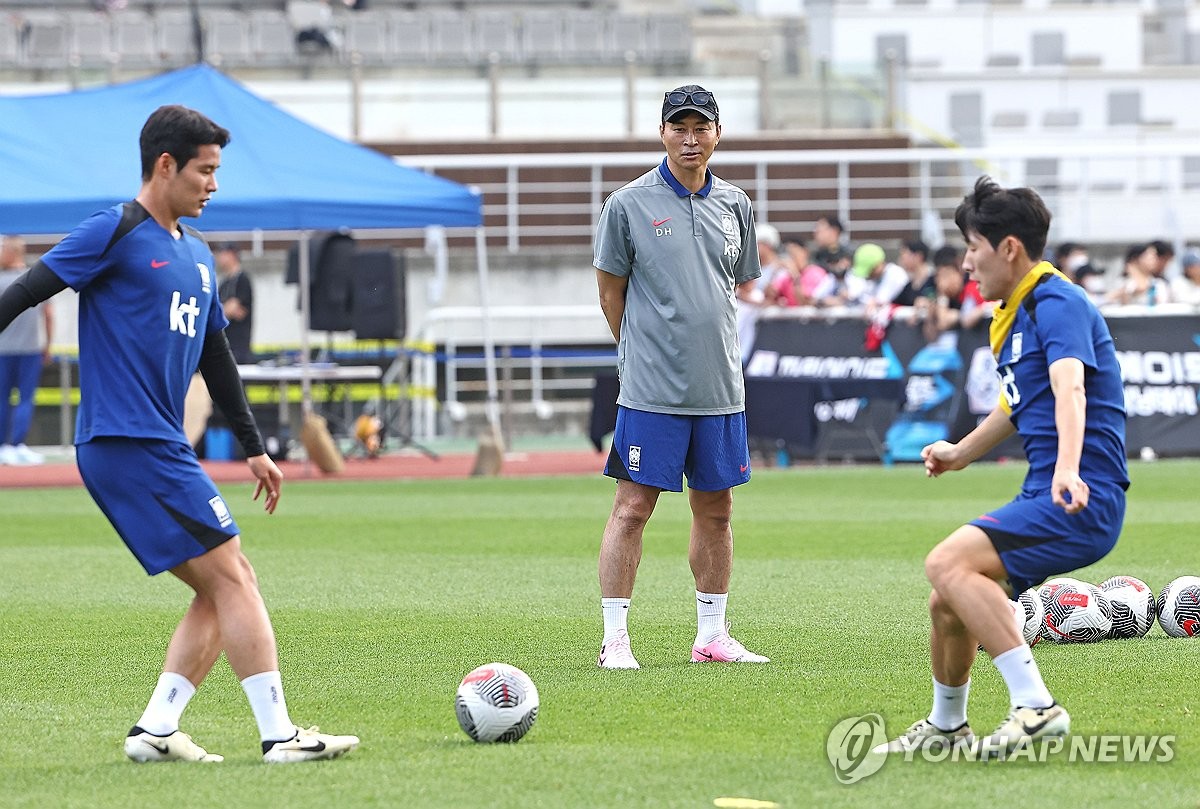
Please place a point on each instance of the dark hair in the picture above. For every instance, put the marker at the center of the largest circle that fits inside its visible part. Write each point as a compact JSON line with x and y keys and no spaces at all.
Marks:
{"x":996,"y":213}
{"x":179,"y":132}
{"x":917,"y":246}
{"x":832,"y":221}
{"x":1135,"y":251}
{"x":945,"y":256}
{"x":1163,"y":248}
{"x":1063,"y":250}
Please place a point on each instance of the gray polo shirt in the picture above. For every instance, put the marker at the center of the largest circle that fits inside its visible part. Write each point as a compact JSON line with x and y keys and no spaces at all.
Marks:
{"x":684,"y":254}
{"x":24,"y":334}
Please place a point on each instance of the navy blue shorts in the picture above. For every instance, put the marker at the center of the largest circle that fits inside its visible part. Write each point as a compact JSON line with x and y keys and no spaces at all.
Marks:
{"x":1037,"y":539}
{"x":660,"y":449}
{"x":164,"y":506}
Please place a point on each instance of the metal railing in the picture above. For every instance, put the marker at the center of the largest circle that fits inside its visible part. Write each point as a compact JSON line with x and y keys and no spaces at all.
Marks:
{"x":450,"y":339}
{"x":1114,"y":195}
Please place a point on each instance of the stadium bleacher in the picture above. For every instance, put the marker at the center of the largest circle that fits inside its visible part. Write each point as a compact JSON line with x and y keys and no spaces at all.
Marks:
{"x":268,"y":34}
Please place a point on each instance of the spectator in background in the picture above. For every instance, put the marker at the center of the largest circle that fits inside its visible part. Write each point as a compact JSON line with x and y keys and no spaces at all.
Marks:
{"x":237,"y":297}
{"x":874,"y":282}
{"x":958,"y":304}
{"x":22,"y":355}
{"x":805,"y":277}
{"x":1091,"y":278}
{"x":1186,"y":287}
{"x":1164,"y":252}
{"x":1070,"y":257}
{"x":1141,"y":285}
{"x":831,"y":251}
{"x":914,"y":258}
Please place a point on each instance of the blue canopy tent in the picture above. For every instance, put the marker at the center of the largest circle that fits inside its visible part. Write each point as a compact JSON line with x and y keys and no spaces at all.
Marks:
{"x":65,"y":156}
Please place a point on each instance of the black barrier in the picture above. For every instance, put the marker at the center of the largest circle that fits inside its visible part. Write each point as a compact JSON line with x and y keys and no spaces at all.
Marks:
{"x":810,"y":381}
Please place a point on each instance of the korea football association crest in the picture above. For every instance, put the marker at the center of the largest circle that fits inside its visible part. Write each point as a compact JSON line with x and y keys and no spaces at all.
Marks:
{"x":733,"y":237}
{"x":635,"y":458}
{"x":205,"y":277}
{"x":220,"y":511}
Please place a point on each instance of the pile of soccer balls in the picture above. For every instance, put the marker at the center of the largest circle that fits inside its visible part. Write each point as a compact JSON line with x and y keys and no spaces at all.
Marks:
{"x":1066,"y":610}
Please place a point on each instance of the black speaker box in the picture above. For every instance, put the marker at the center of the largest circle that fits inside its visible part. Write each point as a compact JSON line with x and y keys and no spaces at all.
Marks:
{"x":378,"y":310}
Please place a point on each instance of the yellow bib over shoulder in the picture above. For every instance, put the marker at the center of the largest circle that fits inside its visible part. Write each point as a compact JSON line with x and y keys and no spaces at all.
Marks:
{"x":1005,"y":314}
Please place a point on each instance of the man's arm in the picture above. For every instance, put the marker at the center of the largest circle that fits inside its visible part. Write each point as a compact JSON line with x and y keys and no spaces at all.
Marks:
{"x":612,"y":299}
{"x":942,"y":456}
{"x":1070,"y":416}
{"x":37,"y":285}
{"x":48,"y":319}
{"x":220,"y":372}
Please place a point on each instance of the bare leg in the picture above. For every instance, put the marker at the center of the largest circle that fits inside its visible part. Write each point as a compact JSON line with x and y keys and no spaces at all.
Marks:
{"x":621,"y":547}
{"x":710,"y":551}
{"x":224,"y":578}
{"x":952,"y":649}
{"x":196,"y":644}
{"x":966,"y":572}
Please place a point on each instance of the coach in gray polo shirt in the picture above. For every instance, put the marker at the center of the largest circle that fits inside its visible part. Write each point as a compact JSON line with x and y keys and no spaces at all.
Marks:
{"x":672,"y":248}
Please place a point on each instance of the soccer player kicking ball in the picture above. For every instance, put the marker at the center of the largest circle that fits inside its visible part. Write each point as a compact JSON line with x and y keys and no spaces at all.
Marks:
{"x":1061,"y":391}
{"x":149,"y":316}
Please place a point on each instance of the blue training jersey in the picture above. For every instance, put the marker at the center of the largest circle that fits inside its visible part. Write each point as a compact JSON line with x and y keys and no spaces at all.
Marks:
{"x":146,"y":302}
{"x":1057,"y":320}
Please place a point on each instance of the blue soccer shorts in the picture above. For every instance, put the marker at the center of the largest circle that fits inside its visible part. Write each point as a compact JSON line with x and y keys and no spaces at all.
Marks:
{"x":164,"y":506}
{"x":660,"y":449}
{"x":1037,"y":539}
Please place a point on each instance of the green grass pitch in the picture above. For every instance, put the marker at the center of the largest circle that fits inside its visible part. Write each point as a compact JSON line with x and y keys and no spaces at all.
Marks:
{"x":385,"y":594}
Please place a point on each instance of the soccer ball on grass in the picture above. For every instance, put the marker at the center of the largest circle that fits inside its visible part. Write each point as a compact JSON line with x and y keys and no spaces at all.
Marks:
{"x":1076,"y":612}
{"x":1179,"y":607}
{"x":1030,"y":615}
{"x":496,"y":703}
{"x":1133,"y":606}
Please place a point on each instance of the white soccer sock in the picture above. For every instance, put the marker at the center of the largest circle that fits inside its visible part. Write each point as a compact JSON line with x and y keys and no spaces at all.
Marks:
{"x":710,"y":616}
{"x":265,"y":692}
{"x":1020,"y":673}
{"x":616,"y":616}
{"x":166,"y":705}
{"x":949,"y":705}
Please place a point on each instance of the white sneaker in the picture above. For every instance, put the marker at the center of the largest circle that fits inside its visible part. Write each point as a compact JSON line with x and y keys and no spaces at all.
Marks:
{"x":923,"y":734}
{"x":8,"y":455}
{"x":615,"y":653}
{"x":1023,"y":726}
{"x":24,"y":456}
{"x":308,"y":745}
{"x":142,"y":746}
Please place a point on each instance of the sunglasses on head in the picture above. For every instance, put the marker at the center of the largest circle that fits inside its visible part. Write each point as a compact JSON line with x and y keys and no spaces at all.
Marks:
{"x":701,"y":98}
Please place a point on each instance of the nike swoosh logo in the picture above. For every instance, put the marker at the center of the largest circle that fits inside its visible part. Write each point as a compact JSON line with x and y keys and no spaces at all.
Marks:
{"x":315,"y":747}
{"x":702,"y":601}
{"x":158,"y":264}
{"x":658,"y":222}
{"x":704,"y":654}
{"x":1032,"y":729}
{"x":162,"y":748}
{"x":743,"y":467}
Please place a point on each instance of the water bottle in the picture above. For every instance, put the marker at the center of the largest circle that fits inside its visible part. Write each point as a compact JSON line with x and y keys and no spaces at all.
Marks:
{"x":781,"y":453}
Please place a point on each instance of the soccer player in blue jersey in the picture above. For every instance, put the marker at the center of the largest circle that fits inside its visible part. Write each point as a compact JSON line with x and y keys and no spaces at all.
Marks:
{"x":1061,"y":392}
{"x":149,"y":317}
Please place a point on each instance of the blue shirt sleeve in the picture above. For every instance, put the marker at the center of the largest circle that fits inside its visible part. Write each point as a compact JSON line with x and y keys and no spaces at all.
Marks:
{"x":76,"y":259}
{"x":1064,"y":324}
